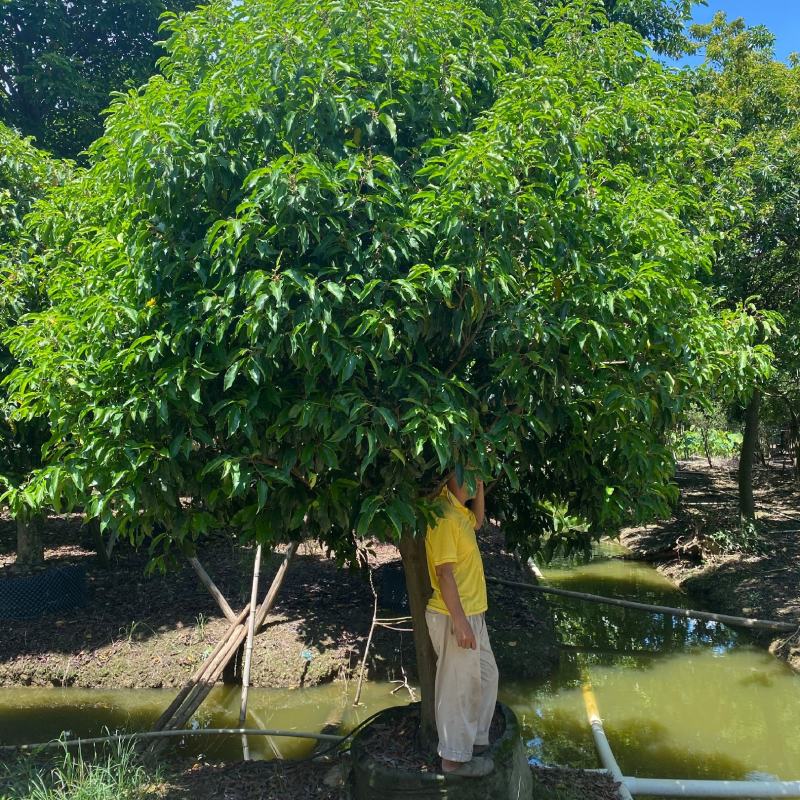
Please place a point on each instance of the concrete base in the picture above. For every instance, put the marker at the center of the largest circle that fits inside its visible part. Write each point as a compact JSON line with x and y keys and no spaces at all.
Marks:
{"x":510,"y":780}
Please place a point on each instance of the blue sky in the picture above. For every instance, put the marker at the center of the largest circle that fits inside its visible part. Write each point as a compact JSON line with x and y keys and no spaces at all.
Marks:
{"x":782,"y":17}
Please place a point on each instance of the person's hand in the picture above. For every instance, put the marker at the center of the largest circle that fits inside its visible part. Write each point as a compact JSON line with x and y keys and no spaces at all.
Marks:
{"x":464,"y":635}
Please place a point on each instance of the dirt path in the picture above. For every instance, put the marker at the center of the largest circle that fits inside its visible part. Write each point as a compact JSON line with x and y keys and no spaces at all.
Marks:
{"x":151,"y":632}
{"x":765,"y":583}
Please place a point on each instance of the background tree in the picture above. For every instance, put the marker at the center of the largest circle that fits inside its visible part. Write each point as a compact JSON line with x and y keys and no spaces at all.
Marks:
{"x":26,"y":173}
{"x":742,"y":82}
{"x":661,"y":22}
{"x":60,"y":60}
{"x":372,"y":245}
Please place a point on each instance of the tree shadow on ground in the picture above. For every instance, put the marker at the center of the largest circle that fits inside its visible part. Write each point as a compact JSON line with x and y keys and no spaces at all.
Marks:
{"x":154,"y":631}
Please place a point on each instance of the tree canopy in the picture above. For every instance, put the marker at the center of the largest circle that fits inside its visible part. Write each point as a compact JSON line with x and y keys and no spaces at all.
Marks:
{"x":742,"y":84}
{"x":338,"y":249}
{"x":661,"y":22}
{"x":26,"y":173}
{"x":60,"y":61}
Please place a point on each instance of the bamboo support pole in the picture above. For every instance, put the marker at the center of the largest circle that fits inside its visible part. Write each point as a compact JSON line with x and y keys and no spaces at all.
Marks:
{"x":277,"y":582}
{"x":214,"y":591}
{"x":248,"y":651}
{"x":192,"y":696}
{"x":357,"y":698}
{"x":181,"y":696}
{"x":743,"y":622}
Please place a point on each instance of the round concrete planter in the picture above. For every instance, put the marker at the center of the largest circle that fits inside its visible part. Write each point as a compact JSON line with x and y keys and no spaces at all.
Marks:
{"x":510,"y":780}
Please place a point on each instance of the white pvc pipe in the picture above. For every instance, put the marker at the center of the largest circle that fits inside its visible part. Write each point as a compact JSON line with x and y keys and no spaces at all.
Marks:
{"x":663,"y":787}
{"x":601,"y":742}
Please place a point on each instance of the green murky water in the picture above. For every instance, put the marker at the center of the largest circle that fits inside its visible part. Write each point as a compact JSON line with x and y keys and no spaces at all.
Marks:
{"x":34,"y":715}
{"x":679,"y":698}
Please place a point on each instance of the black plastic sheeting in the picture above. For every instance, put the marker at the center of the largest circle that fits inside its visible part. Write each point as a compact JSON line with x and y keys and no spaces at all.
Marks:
{"x":55,"y":589}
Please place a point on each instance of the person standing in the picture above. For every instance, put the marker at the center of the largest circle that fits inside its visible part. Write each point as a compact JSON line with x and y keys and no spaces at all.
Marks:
{"x":466,"y":672}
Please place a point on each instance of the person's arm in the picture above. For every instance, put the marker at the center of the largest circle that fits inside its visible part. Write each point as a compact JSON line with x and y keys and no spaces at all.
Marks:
{"x":477,"y":505}
{"x":449,"y":589}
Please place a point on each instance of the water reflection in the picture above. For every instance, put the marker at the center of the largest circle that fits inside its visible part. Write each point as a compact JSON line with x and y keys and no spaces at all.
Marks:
{"x":34,"y":715}
{"x":679,"y":698}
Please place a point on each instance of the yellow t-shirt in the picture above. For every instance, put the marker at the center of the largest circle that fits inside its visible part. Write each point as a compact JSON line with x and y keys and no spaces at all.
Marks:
{"x":452,"y":540}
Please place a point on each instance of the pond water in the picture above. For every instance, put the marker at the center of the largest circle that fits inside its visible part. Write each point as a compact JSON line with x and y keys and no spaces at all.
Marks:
{"x":35,"y":715}
{"x":679,"y":698}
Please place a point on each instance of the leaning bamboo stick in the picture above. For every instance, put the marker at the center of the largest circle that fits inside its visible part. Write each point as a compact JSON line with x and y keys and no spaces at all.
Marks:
{"x":183,"y":710}
{"x":187,"y":687}
{"x":206,"y":683}
{"x":214,"y":591}
{"x":357,"y":698}
{"x":277,"y":582}
{"x":248,"y":651}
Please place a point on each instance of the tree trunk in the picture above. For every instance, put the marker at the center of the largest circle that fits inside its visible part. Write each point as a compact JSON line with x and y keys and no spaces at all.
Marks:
{"x":415,"y":565}
{"x":794,"y":444}
{"x":93,"y":532}
{"x":747,"y":507}
{"x":30,"y":549}
{"x":707,"y":448}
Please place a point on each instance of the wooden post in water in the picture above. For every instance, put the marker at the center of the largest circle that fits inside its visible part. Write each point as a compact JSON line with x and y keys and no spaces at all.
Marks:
{"x":248,"y":652}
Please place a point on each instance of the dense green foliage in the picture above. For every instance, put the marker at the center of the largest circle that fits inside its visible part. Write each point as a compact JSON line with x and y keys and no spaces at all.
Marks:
{"x":25,"y":175}
{"x":60,"y":61}
{"x":339,"y":249}
{"x":743,"y":83}
{"x":661,"y":22}
{"x":705,"y":431}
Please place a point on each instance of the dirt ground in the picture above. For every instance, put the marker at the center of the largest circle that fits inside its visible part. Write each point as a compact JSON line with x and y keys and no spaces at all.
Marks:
{"x":151,"y":632}
{"x":260,"y":780}
{"x":765,"y":583}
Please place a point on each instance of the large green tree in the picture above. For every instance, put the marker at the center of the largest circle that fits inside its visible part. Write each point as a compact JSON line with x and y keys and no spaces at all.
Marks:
{"x":339,"y":249}
{"x":743,"y":85}
{"x":60,"y":60}
{"x":26,"y":174}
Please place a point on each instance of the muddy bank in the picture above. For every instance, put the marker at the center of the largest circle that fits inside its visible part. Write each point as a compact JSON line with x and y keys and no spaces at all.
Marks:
{"x":689,"y":548}
{"x":139,"y":631}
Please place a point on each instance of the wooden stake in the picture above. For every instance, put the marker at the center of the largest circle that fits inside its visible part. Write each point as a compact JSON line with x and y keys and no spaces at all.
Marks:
{"x":248,"y":651}
{"x":187,"y":687}
{"x":205,"y":579}
{"x":357,"y":698}
{"x":195,"y":692}
{"x":277,"y":582}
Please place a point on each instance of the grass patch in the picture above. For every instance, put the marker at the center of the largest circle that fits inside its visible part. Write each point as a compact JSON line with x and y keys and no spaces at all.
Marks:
{"x":115,"y":775}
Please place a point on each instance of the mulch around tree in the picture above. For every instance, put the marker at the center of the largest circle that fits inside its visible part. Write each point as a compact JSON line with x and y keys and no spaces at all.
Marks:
{"x":394,"y":742}
{"x":255,"y":780}
{"x":764,"y":584}
{"x":266,"y":780}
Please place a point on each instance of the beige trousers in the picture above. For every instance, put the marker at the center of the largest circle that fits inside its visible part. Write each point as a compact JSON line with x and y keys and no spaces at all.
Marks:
{"x":466,"y":686}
